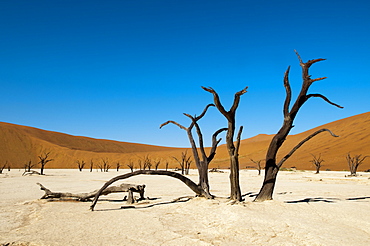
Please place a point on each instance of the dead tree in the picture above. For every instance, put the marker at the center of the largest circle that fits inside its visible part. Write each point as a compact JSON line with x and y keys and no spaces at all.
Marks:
{"x":130,"y":188}
{"x":258,"y":165}
{"x":317,"y":162}
{"x":2,"y":168}
{"x":80,"y":165}
{"x":167,"y":165}
{"x":184,"y":162}
{"x":44,"y":159}
{"x":104,"y":167}
{"x":156,"y":164}
{"x":140,"y":165}
{"x":233,"y":149}
{"x":118,"y":165}
{"x":147,"y":163}
{"x":354,"y":162}
{"x":194,"y":187}
{"x":131,"y":165}
{"x":202,"y":161}
{"x":28,"y":166}
{"x":272,"y":166}
{"x":91,"y":165}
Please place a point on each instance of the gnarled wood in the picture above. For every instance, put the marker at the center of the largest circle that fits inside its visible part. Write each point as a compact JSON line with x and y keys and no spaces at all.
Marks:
{"x":202,"y":161}
{"x":235,"y":193}
{"x":272,"y":167}
{"x":194,"y":187}
{"x":86,"y":196}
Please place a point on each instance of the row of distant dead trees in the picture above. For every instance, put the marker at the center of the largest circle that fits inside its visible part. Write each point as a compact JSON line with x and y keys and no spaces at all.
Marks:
{"x":146,"y":163}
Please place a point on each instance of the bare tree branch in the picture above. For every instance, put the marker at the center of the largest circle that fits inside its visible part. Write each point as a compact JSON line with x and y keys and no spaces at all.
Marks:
{"x":175,"y":123}
{"x":238,"y":139}
{"x":237,"y":99}
{"x":324,"y":98}
{"x":288,"y":91}
{"x":302,"y":142}
{"x":216,"y":99}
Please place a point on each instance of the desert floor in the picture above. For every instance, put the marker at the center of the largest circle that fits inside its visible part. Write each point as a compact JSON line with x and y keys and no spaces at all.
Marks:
{"x":308,"y":209}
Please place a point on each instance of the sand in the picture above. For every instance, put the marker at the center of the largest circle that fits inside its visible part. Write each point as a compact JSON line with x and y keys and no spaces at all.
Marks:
{"x":308,"y":209}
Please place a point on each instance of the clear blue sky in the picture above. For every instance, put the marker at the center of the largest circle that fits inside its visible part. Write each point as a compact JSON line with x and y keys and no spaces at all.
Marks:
{"x":118,"y":69}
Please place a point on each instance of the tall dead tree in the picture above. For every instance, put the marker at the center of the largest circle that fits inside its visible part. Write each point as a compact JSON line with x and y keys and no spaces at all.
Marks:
{"x":317,"y":162}
{"x":354,"y":162}
{"x":44,"y":159}
{"x":202,"y":160}
{"x":232,"y":148}
{"x":272,"y":166}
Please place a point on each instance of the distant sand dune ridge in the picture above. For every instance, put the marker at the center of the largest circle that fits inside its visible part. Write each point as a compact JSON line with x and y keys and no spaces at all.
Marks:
{"x":20,"y":144}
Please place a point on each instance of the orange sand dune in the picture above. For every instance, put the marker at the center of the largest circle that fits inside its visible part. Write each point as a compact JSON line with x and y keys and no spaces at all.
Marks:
{"x":354,"y":137}
{"x":20,"y":144}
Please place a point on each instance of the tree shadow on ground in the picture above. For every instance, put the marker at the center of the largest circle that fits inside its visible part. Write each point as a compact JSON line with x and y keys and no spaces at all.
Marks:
{"x":250,"y":194}
{"x":146,"y":205}
{"x":317,"y":199}
{"x":327,"y":200}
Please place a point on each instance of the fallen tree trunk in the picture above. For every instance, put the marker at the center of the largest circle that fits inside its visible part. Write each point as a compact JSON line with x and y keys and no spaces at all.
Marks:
{"x":130,"y":188}
{"x":194,"y":187}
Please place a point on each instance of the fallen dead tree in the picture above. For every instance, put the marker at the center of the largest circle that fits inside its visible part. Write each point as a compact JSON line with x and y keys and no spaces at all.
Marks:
{"x":197,"y":189}
{"x":130,"y":188}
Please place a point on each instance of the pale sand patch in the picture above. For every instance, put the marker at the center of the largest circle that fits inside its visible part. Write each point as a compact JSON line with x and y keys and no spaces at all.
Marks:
{"x":309,"y":209}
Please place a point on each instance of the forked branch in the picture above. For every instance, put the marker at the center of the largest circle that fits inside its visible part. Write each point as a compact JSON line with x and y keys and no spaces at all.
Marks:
{"x":302,"y":142}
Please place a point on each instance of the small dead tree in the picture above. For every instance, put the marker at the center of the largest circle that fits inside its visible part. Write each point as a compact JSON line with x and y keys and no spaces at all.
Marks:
{"x":317,"y":162}
{"x":118,"y":165}
{"x":167,"y":165}
{"x":202,"y":160}
{"x":131,"y":165}
{"x":44,"y":159}
{"x":91,"y":165}
{"x":233,"y":149}
{"x":354,"y":162}
{"x":2,"y":167}
{"x":156,"y":164}
{"x":183,"y":162}
{"x":80,"y":165}
{"x":104,"y":166}
{"x":258,"y":165}
{"x":28,"y":166}
{"x":272,"y":166}
{"x":147,"y":163}
{"x":140,"y":164}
